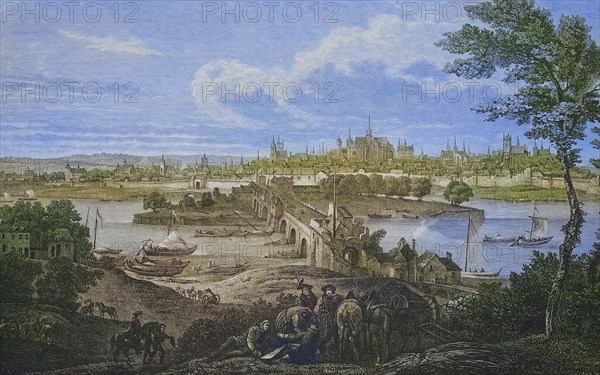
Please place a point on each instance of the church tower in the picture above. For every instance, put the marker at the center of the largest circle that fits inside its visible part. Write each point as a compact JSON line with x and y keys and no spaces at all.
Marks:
{"x":163,"y":166}
{"x":506,"y":145}
{"x":273,"y":149}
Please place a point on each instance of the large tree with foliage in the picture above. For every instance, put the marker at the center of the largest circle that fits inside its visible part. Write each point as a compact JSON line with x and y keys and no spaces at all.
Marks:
{"x":421,"y":187}
{"x":155,"y":201}
{"x":63,"y":281}
{"x":16,"y":277}
{"x":557,"y":66}
{"x":458,"y":192}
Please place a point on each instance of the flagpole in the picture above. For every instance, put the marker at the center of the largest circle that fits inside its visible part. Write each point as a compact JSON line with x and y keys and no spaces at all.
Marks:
{"x":95,"y":228}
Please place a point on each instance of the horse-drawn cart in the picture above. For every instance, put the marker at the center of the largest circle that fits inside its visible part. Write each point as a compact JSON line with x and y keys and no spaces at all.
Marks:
{"x":210,"y":298}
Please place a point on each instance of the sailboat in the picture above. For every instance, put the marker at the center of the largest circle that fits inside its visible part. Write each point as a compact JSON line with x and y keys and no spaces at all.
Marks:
{"x":101,"y":251}
{"x":172,"y":245}
{"x":28,"y":196}
{"x":474,"y":260}
{"x":539,"y":226}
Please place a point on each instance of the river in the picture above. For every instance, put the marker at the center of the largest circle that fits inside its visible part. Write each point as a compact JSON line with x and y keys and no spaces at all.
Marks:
{"x":440,"y":235}
{"x":508,"y":219}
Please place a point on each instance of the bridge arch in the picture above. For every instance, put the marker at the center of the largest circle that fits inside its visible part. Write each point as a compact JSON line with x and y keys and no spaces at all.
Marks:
{"x":292,"y":237}
{"x":283,"y":226}
{"x":303,"y":248}
{"x":265,"y":212}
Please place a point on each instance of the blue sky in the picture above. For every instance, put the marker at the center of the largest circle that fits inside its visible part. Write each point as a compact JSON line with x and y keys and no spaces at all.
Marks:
{"x":306,"y":77}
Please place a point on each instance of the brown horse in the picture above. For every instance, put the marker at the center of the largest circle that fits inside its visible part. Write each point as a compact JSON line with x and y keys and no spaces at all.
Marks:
{"x":119,"y":344}
{"x":378,"y":324}
{"x":103,"y":309}
{"x":349,"y":316}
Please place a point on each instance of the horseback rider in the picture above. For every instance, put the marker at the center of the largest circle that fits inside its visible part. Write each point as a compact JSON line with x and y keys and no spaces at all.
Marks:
{"x":255,"y":342}
{"x":329,"y":301}
{"x":133,"y":333}
{"x":307,"y":297}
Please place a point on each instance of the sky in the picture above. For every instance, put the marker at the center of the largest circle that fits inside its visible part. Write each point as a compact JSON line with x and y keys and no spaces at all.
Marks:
{"x":193,"y":77}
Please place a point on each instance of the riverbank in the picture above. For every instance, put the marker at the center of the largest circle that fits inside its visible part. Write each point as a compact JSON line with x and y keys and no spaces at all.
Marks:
{"x":528,"y":193}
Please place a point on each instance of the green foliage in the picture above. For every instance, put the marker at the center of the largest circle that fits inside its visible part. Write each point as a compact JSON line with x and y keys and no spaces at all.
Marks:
{"x":376,"y":184}
{"x":371,"y":243}
{"x":97,"y":174}
{"x":421,"y":187}
{"x":216,"y":193}
{"x":155,"y":201}
{"x":458,"y":192}
{"x":16,"y":277}
{"x":500,"y":313}
{"x":207,"y":199}
{"x":63,"y":281}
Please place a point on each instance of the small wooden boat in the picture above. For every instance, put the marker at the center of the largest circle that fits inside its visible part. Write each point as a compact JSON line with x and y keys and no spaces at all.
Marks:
{"x":539,"y":226}
{"x":164,"y":263}
{"x":29,"y":196}
{"x":212,"y":233}
{"x":474,"y":258}
{"x":379,"y":216}
{"x":481,"y":274}
{"x":154,"y":270}
{"x":106,"y":251}
{"x":498,"y":238}
{"x":410,"y":216}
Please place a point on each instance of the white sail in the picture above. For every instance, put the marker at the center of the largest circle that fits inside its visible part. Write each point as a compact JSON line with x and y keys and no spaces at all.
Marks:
{"x":30,"y":193}
{"x":6,"y":195}
{"x":174,"y":241}
{"x":475,"y":259}
{"x":540,"y":226}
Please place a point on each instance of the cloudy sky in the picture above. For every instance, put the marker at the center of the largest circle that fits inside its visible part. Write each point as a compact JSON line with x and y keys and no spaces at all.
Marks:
{"x":192,"y":77}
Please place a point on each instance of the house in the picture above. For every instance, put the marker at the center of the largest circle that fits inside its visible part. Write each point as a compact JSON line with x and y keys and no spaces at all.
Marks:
{"x":434,"y":269}
{"x":59,"y":242}
{"x":16,"y":240}
{"x":74,"y":174}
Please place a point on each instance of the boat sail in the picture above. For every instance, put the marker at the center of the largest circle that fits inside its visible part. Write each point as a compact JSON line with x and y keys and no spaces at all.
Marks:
{"x":475,"y":264}
{"x":174,"y":244}
{"x":539,"y":227}
{"x":101,"y":251}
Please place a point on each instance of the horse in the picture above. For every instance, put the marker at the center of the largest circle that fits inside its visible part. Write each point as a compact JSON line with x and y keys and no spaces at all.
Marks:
{"x":87,"y":310}
{"x":349,"y":317}
{"x":121,"y":345}
{"x":102,"y":309}
{"x":155,"y":346}
{"x":378,"y":324}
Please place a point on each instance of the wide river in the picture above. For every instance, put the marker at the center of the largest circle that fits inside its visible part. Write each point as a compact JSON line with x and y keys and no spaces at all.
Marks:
{"x":441,"y":236}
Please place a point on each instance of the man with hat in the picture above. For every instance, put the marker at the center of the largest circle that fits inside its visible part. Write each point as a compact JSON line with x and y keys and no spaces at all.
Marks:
{"x":307,"y":297}
{"x":133,"y":333}
{"x":257,"y":341}
{"x":329,"y":301}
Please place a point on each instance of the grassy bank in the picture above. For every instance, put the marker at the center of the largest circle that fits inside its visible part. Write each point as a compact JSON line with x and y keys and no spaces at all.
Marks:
{"x":527,"y":193}
{"x":111,"y":191}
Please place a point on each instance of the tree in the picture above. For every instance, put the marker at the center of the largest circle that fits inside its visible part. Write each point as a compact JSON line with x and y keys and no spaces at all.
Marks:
{"x":421,"y":187}
{"x":16,"y":277}
{"x":370,"y":243}
{"x":376,"y":184}
{"x":347,"y":186}
{"x":405,"y":186}
{"x":207,"y":199}
{"x":63,"y":281}
{"x":557,"y":67}
{"x":155,"y":201}
{"x":392,"y":186}
{"x":362,"y":183}
{"x":216,"y":193}
{"x":458,"y":192}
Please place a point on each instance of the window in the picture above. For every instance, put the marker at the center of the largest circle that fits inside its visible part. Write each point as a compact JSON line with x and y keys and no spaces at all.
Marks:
{"x":20,"y":236}
{"x":13,"y":236}
{"x":26,"y":236}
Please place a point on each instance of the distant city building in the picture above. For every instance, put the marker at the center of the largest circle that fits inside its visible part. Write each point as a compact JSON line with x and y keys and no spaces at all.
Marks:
{"x":278,"y":151}
{"x":541,"y":150}
{"x":74,"y":174}
{"x":366,"y":148}
{"x":512,"y":153}
{"x":404,"y":150}
{"x":454,"y":155}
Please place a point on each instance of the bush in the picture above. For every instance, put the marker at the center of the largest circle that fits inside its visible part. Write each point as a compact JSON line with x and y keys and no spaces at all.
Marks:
{"x":458,"y":192}
{"x":16,"y":277}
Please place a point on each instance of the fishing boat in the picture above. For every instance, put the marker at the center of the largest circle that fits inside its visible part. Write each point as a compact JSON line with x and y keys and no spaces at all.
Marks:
{"x":212,"y":233}
{"x":498,"y":238}
{"x":173,"y":245}
{"x":155,"y":270}
{"x":379,"y":216}
{"x":99,"y":252}
{"x":145,"y":261}
{"x":539,"y":227}
{"x":475,"y":264}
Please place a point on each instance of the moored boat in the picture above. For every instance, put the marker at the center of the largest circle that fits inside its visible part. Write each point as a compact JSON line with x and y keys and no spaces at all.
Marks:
{"x":539,"y":227}
{"x":474,"y":259}
{"x":379,"y":216}
{"x":154,"y":270}
{"x":173,"y":245}
{"x":498,"y":238}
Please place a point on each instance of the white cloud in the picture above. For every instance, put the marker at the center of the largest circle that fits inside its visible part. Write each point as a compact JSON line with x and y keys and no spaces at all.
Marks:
{"x":109,"y":44}
{"x":398,"y":45}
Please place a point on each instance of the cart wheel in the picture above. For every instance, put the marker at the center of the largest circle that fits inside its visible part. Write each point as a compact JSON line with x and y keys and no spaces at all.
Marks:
{"x":217,"y":299}
{"x":205,"y":301}
{"x":21,"y":318}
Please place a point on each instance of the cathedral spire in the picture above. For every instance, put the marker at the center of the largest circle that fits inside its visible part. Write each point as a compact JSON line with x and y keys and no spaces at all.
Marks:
{"x":455,"y":147}
{"x":369,"y":131}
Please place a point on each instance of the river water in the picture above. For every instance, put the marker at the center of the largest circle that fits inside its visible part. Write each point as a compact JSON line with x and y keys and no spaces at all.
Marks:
{"x":448,"y":235}
{"x":440,"y":235}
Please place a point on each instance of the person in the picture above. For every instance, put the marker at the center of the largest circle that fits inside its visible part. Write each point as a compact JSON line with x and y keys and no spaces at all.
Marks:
{"x":133,"y":332}
{"x":300,"y":347}
{"x":329,"y":301}
{"x":307,"y":297}
{"x":159,"y":338}
{"x":255,"y":342}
